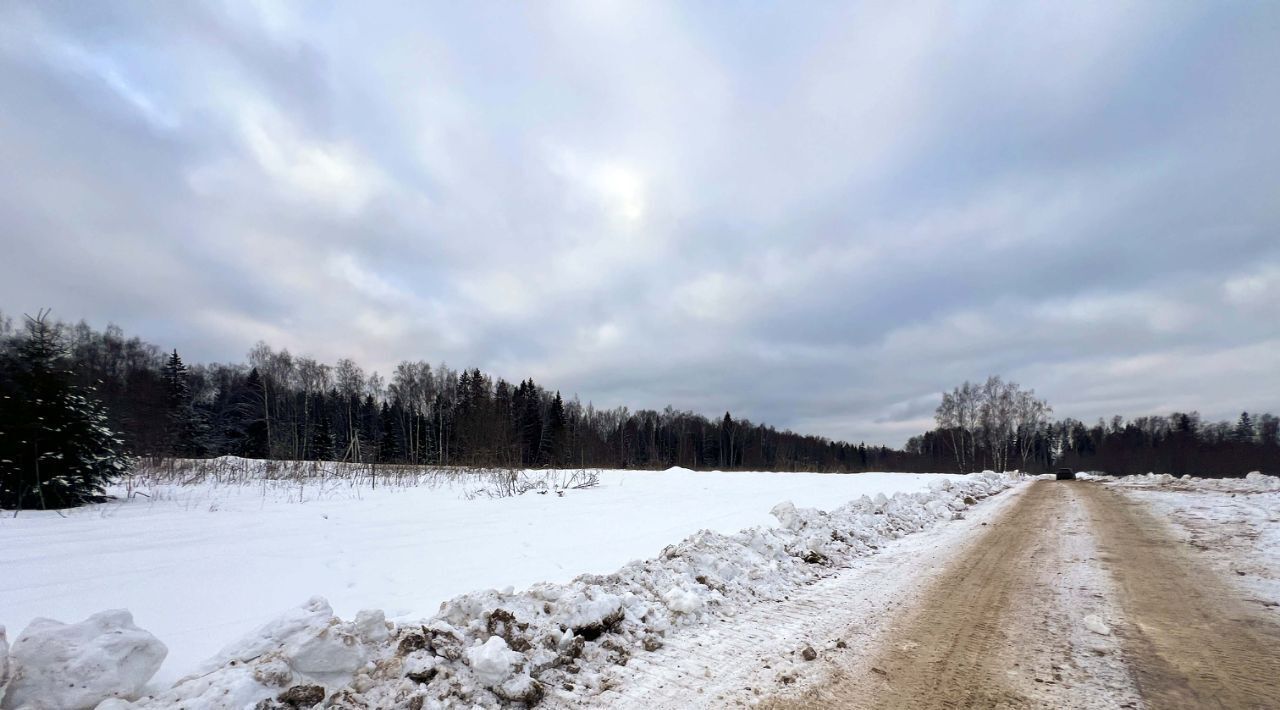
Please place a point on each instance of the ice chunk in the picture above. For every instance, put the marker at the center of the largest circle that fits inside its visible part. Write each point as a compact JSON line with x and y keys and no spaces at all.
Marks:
{"x":492,"y":661}
{"x":77,"y":666}
{"x":1094,"y":624}
{"x":371,"y":624}
{"x":787,"y":515}
{"x":326,"y":651}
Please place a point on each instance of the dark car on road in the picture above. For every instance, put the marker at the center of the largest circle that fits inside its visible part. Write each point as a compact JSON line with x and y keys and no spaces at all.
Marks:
{"x":1066,"y":474}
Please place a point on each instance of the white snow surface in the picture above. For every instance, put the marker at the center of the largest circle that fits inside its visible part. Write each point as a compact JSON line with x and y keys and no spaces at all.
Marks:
{"x":205,"y":563}
{"x":59,"y":666}
{"x":494,"y":648}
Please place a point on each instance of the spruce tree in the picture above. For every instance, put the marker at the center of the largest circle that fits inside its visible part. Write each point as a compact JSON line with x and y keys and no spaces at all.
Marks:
{"x":184,"y":426}
{"x":320,"y":443}
{"x":556,"y":438}
{"x":56,"y":450}
{"x":389,"y":449}
{"x":1244,"y":431}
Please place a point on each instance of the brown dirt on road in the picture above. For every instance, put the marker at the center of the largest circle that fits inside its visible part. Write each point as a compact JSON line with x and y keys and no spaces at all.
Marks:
{"x":1000,"y":626}
{"x":1191,"y":642}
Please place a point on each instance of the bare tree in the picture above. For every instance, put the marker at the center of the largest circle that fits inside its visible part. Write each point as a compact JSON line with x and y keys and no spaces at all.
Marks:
{"x":1000,"y":415}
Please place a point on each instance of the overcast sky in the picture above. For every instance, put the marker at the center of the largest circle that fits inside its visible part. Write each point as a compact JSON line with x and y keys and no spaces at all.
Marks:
{"x":817,"y":215}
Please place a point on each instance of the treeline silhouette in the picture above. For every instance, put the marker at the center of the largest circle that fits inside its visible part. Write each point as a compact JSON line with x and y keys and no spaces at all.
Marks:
{"x":282,"y":406}
{"x":994,"y":424}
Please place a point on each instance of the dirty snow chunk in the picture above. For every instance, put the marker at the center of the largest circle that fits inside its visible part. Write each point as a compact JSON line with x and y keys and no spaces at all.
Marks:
{"x":312,"y":616}
{"x":75,"y":666}
{"x":1094,"y":624}
{"x":329,"y":650}
{"x":682,"y":601}
{"x":305,"y":644}
{"x":492,"y":661}
{"x":593,"y":610}
{"x":371,"y":624}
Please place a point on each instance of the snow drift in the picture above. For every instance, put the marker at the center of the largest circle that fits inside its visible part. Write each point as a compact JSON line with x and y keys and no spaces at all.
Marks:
{"x":1253,"y":482}
{"x":494,"y":648}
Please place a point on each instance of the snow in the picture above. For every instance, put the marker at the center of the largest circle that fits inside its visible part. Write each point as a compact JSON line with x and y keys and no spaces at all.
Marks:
{"x":240,"y":553}
{"x":1232,"y":523}
{"x":1094,"y":624}
{"x":682,"y":601}
{"x":492,"y":661}
{"x":59,"y":666}
{"x":491,"y":647}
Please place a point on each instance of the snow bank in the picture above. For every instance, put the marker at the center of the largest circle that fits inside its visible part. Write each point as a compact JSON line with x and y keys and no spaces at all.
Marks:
{"x":1254,"y":482}
{"x":494,"y":648}
{"x":241,"y":553}
{"x":1261,"y":481}
{"x":59,"y":666}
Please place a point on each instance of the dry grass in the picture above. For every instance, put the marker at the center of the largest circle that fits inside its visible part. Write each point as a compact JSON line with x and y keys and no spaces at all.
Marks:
{"x":333,"y":476}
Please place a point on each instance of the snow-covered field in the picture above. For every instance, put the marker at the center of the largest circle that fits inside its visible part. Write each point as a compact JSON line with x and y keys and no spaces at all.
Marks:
{"x":201,"y":565}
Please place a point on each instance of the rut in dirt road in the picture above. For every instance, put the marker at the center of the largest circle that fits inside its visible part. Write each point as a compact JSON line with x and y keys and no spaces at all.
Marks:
{"x":947,"y":656}
{"x":1000,"y":626}
{"x":952,"y":650}
{"x":1191,"y":642}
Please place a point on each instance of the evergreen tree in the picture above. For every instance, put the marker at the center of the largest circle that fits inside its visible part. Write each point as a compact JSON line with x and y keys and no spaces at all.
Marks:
{"x":184,"y":428}
{"x":249,"y":431}
{"x":389,"y":448}
{"x":320,"y":445}
{"x":1244,"y":432}
{"x":556,"y":432}
{"x":174,"y":375}
{"x":530,"y":423}
{"x":56,"y":450}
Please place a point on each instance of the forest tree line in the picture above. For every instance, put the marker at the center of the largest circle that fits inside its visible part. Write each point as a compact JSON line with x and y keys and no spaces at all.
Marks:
{"x":279,"y":405}
{"x":998,"y":425}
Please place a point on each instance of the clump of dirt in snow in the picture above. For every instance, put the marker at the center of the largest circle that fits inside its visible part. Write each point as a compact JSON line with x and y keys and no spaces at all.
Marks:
{"x":494,"y":648}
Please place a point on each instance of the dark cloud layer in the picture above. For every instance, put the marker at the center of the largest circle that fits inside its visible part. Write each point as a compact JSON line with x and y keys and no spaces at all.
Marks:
{"x":818,"y":217}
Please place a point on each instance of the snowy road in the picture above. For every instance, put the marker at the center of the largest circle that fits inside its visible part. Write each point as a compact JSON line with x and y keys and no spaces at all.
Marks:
{"x":1078,"y":595}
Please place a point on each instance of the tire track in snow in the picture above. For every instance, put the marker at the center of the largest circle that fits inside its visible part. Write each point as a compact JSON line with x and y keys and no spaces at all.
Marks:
{"x":1193,"y":642}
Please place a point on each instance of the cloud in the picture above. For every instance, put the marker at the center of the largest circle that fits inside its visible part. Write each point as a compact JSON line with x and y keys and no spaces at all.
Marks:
{"x":817,"y":218}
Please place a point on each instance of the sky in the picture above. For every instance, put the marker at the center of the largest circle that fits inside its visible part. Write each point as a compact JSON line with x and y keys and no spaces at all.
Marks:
{"x":816,"y":215}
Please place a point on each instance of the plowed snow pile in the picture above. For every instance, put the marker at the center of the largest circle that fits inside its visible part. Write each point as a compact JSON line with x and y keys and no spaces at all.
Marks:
{"x":240,"y":541}
{"x":496,"y":648}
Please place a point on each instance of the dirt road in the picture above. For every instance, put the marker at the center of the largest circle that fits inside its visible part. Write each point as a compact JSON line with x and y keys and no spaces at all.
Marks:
{"x":1191,"y":642}
{"x":1074,"y":598}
